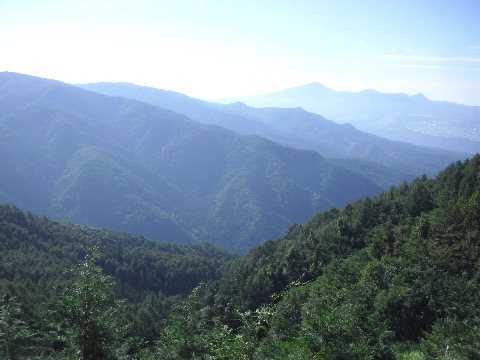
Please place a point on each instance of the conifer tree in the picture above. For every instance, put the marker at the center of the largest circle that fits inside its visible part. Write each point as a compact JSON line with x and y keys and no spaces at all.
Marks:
{"x":88,"y":314}
{"x":15,"y":334}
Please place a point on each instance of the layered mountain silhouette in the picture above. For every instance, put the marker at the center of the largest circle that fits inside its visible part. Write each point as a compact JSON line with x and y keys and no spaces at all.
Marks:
{"x":384,"y":161}
{"x":80,"y":156}
{"x":413,"y":119}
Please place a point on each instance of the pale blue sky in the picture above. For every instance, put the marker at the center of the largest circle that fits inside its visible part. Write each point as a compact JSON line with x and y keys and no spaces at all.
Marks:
{"x":222,"y":48}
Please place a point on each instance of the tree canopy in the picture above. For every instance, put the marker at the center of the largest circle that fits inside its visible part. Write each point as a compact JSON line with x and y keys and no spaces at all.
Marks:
{"x":390,"y":277}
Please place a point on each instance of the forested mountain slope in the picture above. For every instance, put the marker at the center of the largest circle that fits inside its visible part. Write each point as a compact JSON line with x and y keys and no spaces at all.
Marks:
{"x":296,"y":127}
{"x":37,"y":256}
{"x":391,"y":277}
{"x":76,"y":155}
{"x":395,"y":276}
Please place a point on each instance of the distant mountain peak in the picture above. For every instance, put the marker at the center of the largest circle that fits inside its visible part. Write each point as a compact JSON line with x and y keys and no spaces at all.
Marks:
{"x":316,"y":85}
{"x":369,"y":91}
{"x":238,"y":105}
{"x":388,"y":115}
{"x":420,"y":96}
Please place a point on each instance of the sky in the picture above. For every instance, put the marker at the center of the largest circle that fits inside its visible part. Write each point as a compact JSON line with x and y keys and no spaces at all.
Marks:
{"x":225,"y":48}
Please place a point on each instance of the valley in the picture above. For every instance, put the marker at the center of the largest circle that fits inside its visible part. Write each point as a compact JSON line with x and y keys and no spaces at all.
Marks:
{"x":394,"y":276}
{"x":141,"y":223}
{"x":130,"y":166}
{"x":239,"y":180}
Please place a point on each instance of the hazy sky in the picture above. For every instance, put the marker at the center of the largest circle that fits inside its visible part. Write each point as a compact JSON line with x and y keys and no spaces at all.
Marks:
{"x":223,"y":48}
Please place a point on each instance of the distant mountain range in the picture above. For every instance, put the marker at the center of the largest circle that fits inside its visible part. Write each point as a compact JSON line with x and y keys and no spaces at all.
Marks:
{"x":76,"y":155}
{"x":383,"y":161}
{"x":413,"y":119}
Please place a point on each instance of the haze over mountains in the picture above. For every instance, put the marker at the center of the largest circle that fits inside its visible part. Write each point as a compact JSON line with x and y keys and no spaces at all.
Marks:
{"x":122,"y":164}
{"x":386,"y":162}
{"x":413,"y":119}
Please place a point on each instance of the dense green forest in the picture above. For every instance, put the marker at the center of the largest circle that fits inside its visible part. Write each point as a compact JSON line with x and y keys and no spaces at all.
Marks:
{"x":391,"y":277}
{"x":39,"y":257}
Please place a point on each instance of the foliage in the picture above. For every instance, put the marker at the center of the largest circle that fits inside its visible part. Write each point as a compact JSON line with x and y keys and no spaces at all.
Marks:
{"x":395,"y":276}
{"x":36,"y":253}
{"x":390,"y":277}
{"x":15,"y":332}
{"x":87,"y":315}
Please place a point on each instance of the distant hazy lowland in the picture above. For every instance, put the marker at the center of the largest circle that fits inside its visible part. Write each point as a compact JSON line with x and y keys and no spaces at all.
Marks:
{"x":413,"y":119}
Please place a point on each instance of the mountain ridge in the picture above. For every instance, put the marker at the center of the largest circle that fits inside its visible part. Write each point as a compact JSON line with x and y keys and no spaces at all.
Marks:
{"x":76,"y":155}
{"x":396,"y":116}
{"x":297,"y":128}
